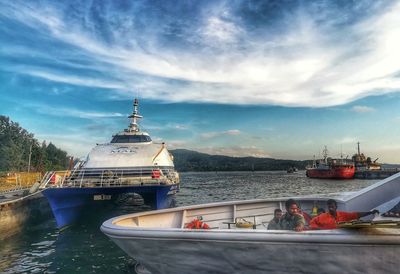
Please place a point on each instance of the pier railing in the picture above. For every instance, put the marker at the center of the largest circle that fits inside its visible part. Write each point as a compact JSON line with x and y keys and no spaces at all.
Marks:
{"x":86,"y":177}
{"x":12,"y":181}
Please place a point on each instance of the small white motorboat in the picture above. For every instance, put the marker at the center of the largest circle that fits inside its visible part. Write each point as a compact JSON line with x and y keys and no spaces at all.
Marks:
{"x":160,"y":241}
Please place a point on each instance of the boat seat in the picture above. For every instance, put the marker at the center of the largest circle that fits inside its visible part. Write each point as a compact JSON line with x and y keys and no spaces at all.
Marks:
{"x":229,"y":224}
{"x":240,"y":222}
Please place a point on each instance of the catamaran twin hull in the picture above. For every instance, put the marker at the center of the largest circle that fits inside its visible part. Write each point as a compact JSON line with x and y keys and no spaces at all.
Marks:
{"x":70,"y":203}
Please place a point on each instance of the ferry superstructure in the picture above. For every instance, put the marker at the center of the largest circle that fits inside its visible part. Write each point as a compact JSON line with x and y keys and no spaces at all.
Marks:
{"x":130,"y":163}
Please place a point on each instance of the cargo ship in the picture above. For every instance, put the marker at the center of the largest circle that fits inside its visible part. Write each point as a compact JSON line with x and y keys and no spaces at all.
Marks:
{"x":366,"y":168}
{"x":328,"y":168}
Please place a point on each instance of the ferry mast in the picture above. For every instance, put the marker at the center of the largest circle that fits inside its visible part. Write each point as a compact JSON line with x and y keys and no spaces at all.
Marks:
{"x":133,"y":126}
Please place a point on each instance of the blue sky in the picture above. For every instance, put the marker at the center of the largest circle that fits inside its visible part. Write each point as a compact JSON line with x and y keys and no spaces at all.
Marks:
{"x":243,"y":78}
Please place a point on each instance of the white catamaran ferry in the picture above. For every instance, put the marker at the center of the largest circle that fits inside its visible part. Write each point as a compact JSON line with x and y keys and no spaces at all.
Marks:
{"x":130,"y":163}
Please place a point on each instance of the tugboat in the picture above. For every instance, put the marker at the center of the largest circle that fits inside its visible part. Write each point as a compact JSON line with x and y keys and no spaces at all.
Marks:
{"x":328,"y":168}
{"x":130,"y":163}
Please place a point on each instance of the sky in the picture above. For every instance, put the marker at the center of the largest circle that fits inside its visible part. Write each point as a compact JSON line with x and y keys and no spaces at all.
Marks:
{"x":278,"y":79}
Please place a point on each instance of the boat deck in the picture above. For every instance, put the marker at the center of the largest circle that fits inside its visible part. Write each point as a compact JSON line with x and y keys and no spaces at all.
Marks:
{"x":253,"y":214}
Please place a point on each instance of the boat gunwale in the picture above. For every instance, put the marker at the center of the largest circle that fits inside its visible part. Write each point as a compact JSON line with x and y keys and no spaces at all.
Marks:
{"x":338,"y":236}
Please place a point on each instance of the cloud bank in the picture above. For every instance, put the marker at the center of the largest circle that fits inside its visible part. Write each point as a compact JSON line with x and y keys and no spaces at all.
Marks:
{"x":313,"y":54}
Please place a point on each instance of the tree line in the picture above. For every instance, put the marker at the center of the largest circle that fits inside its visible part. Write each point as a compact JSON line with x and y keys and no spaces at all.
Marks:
{"x":187,"y":160}
{"x":17,"y":145}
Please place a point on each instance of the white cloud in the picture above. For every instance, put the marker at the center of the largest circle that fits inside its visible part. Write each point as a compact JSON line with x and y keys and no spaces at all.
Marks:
{"x":175,"y":144}
{"x":232,"y":132}
{"x":308,"y":64}
{"x":76,"y":144}
{"x":362,"y":109}
{"x":177,"y":126}
{"x":217,"y":30}
{"x":169,"y":126}
{"x":215,"y":134}
{"x":71,"y":112}
{"x":235,"y":151}
{"x":346,"y":140}
{"x":75,"y":80}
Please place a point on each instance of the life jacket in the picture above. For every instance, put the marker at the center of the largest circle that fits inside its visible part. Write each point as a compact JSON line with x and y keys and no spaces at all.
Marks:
{"x":155,"y":174}
{"x":197,"y":224}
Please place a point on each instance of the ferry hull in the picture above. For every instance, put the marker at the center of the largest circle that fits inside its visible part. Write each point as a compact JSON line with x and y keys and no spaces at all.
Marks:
{"x":332,"y":173}
{"x":69,"y":204}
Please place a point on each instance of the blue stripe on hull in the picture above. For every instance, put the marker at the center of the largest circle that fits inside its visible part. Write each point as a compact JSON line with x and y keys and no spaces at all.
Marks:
{"x":68,"y":204}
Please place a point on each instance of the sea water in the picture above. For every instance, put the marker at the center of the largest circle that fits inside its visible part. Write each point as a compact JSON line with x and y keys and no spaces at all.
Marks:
{"x":41,"y":248}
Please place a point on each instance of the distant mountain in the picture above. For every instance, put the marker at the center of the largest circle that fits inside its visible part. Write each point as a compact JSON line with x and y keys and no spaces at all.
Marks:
{"x":188,"y":160}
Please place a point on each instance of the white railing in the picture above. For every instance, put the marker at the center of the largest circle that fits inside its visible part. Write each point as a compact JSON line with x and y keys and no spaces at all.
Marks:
{"x":114,"y":177}
{"x":46,"y":179}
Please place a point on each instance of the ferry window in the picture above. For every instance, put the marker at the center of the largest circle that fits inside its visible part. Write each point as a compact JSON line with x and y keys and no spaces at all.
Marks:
{"x":120,"y":139}
{"x":139,"y":138}
{"x":131,"y":139}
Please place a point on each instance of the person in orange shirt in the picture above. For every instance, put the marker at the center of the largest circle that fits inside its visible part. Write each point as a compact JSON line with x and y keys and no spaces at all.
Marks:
{"x":330,"y":219}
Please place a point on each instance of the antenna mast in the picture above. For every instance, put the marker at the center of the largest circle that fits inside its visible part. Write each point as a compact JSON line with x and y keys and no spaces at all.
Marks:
{"x":133,"y":126}
{"x":325,"y":154}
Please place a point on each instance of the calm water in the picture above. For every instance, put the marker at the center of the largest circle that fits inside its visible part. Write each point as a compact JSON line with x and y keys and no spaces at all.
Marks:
{"x":82,"y":248}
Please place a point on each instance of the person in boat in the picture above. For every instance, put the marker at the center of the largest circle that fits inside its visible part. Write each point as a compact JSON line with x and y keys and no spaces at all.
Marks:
{"x":330,"y":219}
{"x":274,"y":224}
{"x":292,"y":220}
{"x":307,"y":217}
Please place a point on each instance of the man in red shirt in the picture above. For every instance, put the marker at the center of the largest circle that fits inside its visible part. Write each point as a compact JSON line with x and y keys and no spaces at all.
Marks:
{"x":330,"y":219}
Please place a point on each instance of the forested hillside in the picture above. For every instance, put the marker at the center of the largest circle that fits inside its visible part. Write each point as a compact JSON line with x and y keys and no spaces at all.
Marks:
{"x":16,"y":144}
{"x":187,"y":160}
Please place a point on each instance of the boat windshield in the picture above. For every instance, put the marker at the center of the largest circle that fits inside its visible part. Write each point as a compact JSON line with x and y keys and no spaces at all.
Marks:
{"x":131,"y":139}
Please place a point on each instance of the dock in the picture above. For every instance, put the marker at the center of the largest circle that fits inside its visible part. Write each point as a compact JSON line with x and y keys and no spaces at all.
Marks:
{"x":17,"y":208}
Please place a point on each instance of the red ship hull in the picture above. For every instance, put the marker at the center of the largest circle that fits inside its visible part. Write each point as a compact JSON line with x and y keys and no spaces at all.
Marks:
{"x":335,"y":172}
